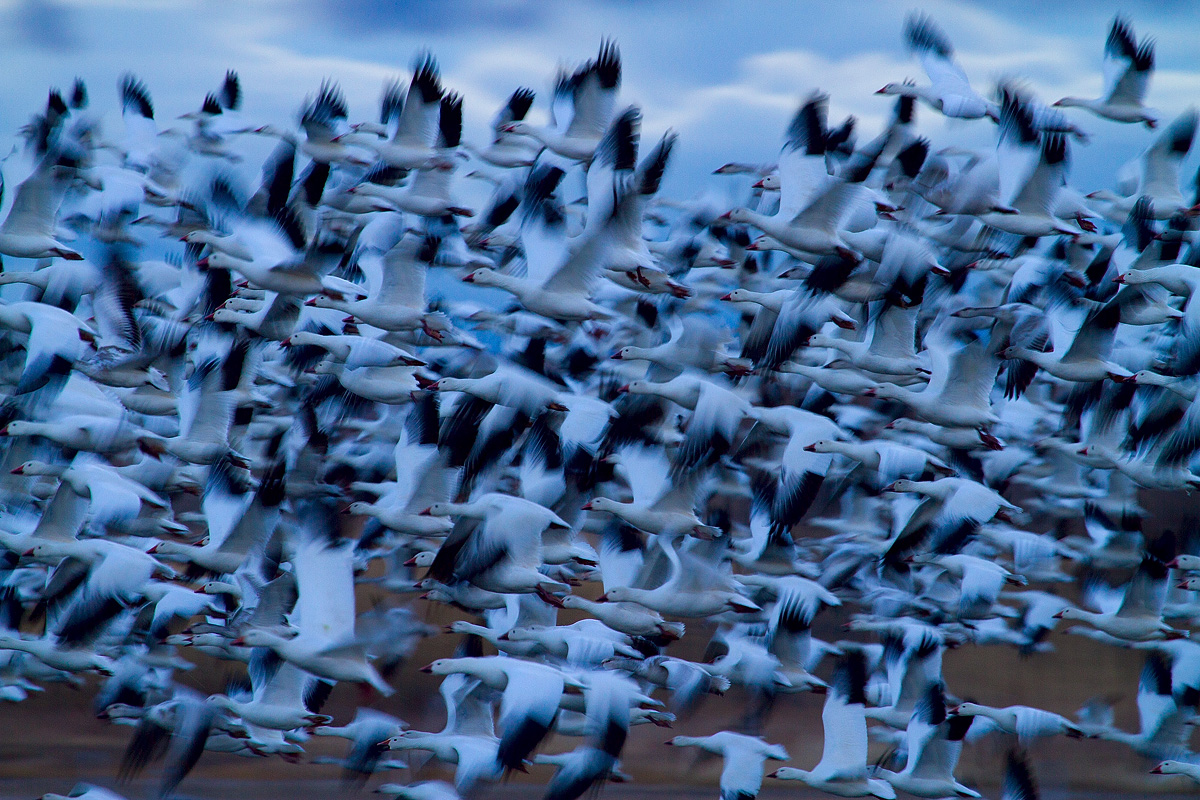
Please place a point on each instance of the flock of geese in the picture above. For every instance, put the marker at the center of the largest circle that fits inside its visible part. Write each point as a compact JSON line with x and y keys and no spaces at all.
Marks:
{"x":924,"y":388}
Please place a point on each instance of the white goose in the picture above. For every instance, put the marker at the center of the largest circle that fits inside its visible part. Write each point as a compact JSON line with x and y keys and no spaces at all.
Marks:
{"x":582,"y":107}
{"x":744,"y":757}
{"x":1127,"y":70}
{"x":949,"y":91}
{"x":29,"y":229}
{"x":842,"y":770}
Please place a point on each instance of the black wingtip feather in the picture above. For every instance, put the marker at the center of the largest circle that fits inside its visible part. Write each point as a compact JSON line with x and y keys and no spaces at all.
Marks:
{"x":135,"y":95}
{"x":426,"y":78}
{"x":608,"y":64}
{"x":923,"y":35}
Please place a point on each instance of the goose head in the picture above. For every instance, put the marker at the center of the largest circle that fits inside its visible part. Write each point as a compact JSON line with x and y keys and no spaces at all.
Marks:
{"x":965,"y":710}
{"x":21,"y":428}
{"x":1170,"y":768}
{"x":443,"y":666}
{"x":601,"y":504}
{"x":1070,"y":613}
{"x":423,"y":559}
{"x":36,"y":468}
{"x":483,"y":277}
{"x":617,"y":594}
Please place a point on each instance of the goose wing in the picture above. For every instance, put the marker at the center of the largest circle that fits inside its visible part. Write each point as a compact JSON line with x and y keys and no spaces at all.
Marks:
{"x":417,"y":124}
{"x":1127,"y":66}
{"x":594,"y":93}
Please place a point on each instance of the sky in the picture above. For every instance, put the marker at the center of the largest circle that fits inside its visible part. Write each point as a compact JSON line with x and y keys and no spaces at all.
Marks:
{"x":727,"y":76}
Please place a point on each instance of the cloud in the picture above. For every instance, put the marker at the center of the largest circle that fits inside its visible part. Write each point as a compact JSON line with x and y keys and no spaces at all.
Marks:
{"x":45,"y":23}
{"x":431,"y":16}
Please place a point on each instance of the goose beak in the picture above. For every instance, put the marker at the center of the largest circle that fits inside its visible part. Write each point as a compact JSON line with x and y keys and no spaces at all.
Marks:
{"x":428,"y":668}
{"x":586,"y":506}
{"x":427,"y":512}
{"x":728,"y":297}
{"x":1157,"y":770}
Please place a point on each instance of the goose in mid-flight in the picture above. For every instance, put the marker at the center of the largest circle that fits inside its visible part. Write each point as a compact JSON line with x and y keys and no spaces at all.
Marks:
{"x":1127,"y":70}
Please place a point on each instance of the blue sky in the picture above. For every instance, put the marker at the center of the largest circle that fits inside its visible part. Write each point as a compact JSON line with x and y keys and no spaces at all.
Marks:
{"x":725,"y":75}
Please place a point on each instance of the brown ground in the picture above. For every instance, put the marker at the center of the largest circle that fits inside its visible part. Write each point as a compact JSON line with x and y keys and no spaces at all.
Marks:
{"x":52,"y":740}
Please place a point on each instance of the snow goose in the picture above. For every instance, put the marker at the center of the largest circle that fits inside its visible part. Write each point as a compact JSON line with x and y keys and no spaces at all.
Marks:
{"x":54,"y":654}
{"x":953,"y":512}
{"x":509,"y":386}
{"x":743,"y":759}
{"x":1086,"y":357}
{"x":29,"y":229}
{"x":958,"y":392}
{"x":84,"y":791}
{"x":1033,"y":199}
{"x":366,"y":732}
{"x":95,"y":434}
{"x":890,"y":347}
{"x":687,"y":681}
{"x":815,"y":228}
{"x":1139,"y":617}
{"x":660,"y":506}
{"x":1158,"y":180}
{"x":842,"y":770}
{"x":323,"y":118}
{"x":949,"y":91}
{"x":208,"y":410}
{"x":694,"y":343}
{"x":621,"y":554}
{"x":1024,"y":722}
{"x":397,"y":301}
{"x":528,"y":706}
{"x":693,"y":588}
{"x":428,"y":193}
{"x":980,"y":581}
{"x":324,"y":644}
{"x":801,"y":472}
{"x":889,"y":460}
{"x":468,"y":738}
{"x":413,"y":118}
{"x":934,"y":744}
{"x":235,"y":529}
{"x":110,"y":577}
{"x":786,"y":321}
{"x":1170,"y":767}
{"x":509,"y":150}
{"x":55,"y":337}
{"x":503,"y":553}
{"x":1127,"y":69}
{"x":562,"y":293}
{"x":423,"y":478}
{"x":280,"y":695}
{"x":582,"y":107}
{"x":1165,"y":720}
{"x":355,"y":351}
